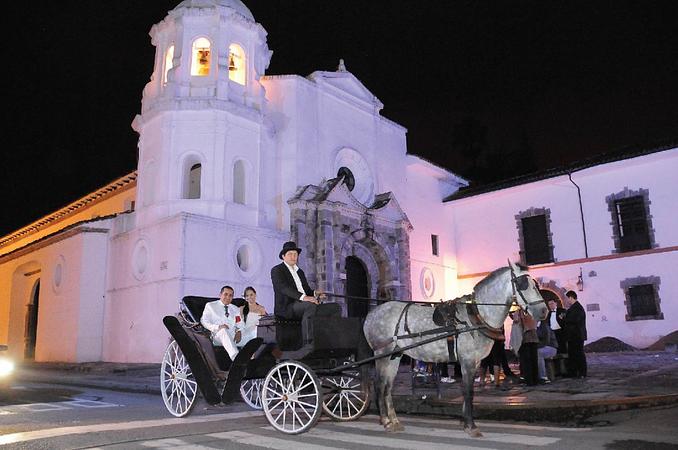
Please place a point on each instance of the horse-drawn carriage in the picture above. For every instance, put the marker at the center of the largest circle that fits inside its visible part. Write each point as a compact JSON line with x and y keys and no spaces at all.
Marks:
{"x":291,"y":382}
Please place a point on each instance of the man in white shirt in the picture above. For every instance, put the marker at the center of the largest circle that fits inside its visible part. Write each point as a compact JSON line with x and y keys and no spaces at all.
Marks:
{"x":222,"y":318}
{"x":555,"y":318}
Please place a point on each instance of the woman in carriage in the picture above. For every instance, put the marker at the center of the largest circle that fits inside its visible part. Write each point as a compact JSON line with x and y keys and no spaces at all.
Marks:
{"x":250,"y":312}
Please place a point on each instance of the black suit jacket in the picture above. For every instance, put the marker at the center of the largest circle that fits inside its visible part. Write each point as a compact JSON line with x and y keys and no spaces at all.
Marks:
{"x":285,"y":288}
{"x":575,"y":322}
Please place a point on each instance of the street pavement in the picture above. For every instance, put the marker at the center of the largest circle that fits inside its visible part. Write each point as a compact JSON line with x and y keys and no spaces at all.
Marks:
{"x":616,"y":381}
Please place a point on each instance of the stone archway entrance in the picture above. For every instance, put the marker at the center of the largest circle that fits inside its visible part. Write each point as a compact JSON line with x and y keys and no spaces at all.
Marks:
{"x":350,"y":246}
{"x":31,"y":326}
{"x":549,"y":295}
{"x":356,"y":285}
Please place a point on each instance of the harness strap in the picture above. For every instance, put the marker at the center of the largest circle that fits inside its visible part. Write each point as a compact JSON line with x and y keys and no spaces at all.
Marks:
{"x":477,"y":320}
{"x":400,"y":318}
{"x":427,"y":332}
{"x":388,"y":342}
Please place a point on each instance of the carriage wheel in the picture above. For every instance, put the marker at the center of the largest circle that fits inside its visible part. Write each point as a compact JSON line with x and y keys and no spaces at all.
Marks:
{"x":346,"y":399}
{"x":291,"y":397}
{"x":177,"y":383}
{"x":250,"y":391}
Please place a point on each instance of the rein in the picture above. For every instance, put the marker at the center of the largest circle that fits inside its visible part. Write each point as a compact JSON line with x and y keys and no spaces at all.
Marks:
{"x":414,"y":302}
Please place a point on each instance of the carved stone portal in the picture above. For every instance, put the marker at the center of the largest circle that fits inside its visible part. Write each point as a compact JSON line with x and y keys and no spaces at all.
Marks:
{"x":330,"y":225}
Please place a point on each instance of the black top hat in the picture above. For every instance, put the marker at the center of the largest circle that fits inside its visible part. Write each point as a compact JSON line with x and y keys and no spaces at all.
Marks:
{"x":288,"y":246}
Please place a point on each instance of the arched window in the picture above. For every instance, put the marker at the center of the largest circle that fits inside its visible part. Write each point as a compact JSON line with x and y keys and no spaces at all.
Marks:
{"x":201,"y":57}
{"x":239,"y":182}
{"x":169,"y":61}
{"x":193,"y":181}
{"x":236,"y":64}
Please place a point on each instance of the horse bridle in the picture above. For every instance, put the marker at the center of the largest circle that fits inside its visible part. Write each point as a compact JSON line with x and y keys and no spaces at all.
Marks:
{"x":518,"y":285}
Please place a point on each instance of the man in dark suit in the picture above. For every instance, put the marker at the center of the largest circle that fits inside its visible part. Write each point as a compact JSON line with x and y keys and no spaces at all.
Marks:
{"x":555,"y":320}
{"x":574,"y":324}
{"x":294,"y":298}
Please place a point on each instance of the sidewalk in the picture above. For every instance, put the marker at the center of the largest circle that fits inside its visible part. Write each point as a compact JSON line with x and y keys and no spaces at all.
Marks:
{"x":616,"y":381}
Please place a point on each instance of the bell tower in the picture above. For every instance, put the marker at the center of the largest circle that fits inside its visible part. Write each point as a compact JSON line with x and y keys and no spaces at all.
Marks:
{"x":201,"y":121}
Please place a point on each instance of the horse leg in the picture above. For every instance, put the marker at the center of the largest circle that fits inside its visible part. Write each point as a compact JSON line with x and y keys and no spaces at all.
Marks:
{"x":387,"y":369}
{"x":380,"y":391}
{"x":468,"y":370}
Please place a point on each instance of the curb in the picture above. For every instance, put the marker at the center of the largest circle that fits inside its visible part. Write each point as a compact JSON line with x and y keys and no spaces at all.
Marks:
{"x":112,"y":385}
{"x":562,"y":411}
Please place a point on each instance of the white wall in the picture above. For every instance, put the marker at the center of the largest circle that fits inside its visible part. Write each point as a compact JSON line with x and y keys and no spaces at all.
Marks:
{"x":486,"y":235}
{"x":186,"y":255}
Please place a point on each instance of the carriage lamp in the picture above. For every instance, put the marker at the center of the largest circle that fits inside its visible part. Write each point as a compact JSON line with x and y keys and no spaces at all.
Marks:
{"x":580,"y":281}
{"x":6,"y":367}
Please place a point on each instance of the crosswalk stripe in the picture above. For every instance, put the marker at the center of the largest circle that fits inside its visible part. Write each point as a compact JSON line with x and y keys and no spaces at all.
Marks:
{"x":385,"y":441}
{"x":174,"y":444}
{"x":484,"y":424}
{"x":242,"y":437}
{"x":456,"y":434}
{"x":84,"y":429}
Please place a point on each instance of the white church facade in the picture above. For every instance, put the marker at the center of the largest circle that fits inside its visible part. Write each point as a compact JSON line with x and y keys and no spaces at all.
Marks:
{"x":232,"y":163}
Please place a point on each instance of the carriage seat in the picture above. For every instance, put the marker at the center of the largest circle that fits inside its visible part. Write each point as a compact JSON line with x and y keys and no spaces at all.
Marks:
{"x":286,"y":333}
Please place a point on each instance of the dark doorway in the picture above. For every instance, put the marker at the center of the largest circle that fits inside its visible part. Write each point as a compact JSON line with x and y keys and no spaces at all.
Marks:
{"x":31,"y":328}
{"x":548,"y":295}
{"x":356,"y":285}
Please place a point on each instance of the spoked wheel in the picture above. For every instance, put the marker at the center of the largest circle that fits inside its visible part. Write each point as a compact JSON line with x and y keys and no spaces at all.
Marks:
{"x":291,"y":397}
{"x":250,"y":391}
{"x":177,"y":383}
{"x":346,"y":398}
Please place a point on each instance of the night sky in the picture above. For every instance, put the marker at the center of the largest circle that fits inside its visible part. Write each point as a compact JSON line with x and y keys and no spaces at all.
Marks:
{"x":477,"y":84}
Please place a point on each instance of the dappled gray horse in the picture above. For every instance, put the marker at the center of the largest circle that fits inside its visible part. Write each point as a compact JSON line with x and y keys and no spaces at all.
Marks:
{"x":492,"y":297}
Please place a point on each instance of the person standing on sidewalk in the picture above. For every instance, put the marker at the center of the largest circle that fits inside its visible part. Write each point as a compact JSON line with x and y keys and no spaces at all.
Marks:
{"x":527,"y":348}
{"x":574,"y":323}
{"x":547,"y":347}
{"x":554,"y":318}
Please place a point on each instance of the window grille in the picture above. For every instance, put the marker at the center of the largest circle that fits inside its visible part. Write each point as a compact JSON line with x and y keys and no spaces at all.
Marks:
{"x":537,"y":248}
{"x":631,"y":224}
{"x":642,"y":298}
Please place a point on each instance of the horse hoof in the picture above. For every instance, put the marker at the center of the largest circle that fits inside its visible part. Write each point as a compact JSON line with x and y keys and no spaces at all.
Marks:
{"x":473,"y":432}
{"x":394,"y":427}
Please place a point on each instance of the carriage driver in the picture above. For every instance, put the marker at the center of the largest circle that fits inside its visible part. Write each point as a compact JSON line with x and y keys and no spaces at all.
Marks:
{"x":224,"y":321}
{"x":294,"y":298}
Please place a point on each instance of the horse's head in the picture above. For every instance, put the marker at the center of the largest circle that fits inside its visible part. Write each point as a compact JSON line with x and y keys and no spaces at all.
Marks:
{"x":526,"y":293}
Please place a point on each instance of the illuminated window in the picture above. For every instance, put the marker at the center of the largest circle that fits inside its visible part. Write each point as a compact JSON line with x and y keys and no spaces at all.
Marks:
{"x":193,"y":185}
{"x":169,"y":57}
{"x":201,"y":57}
{"x":239,"y":179}
{"x":236,"y":64}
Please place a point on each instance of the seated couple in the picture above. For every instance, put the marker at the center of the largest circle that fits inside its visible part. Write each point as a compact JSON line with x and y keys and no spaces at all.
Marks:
{"x":231,"y":326}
